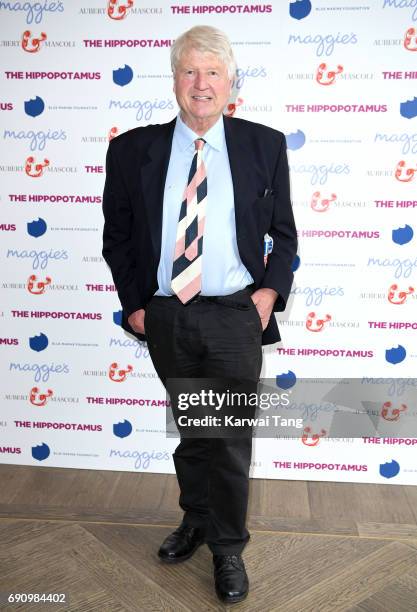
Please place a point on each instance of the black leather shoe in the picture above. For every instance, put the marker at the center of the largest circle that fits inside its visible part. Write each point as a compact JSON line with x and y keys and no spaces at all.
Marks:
{"x":230,"y":578}
{"x":181,"y":544}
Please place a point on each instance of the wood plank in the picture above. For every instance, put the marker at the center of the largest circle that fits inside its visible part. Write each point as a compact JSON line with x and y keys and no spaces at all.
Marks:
{"x":37,"y":548}
{"x":282,"y":569}
{"x":90,"y":488}
{"x":297,"y":525}
{"x":188,"y":582}
{"x":13,"y":532}
{"x":171,"y":518}
{"x":400,"y":595}
{"x":286,"y":565}
{"x":411,"y":496}
{"x":394,"y":597}
{"x":128,"y":583}
{"x":360,"y":502}
{"x":397,"y":531}
{"x":283,"y":498}
{"x":96,"y":534}
{"x":13,"y":480}
{"x":45,"y":565}
{"x":71,"y":513}
{"x":355,"y":581}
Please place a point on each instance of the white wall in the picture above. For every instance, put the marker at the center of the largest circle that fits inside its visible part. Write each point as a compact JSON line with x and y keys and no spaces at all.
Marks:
{"x":345,"y":140}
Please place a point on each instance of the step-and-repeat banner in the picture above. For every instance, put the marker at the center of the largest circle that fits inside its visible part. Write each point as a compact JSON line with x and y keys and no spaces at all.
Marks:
{"x":340,"y":80}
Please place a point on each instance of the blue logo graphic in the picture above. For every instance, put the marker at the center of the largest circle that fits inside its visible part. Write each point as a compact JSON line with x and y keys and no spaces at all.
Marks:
{"x":286,"y":380}
{"x":41,"y":370}
{"x":40,"y":259}
{"x":402,"y":267}
{"x":249,"y":72}
{"x":142,"y":458}
{"x":117,"y":317}
{"x":123,"y":76}
{"x":395,"y":355}
{"x":40,"y":452}
{"x":37,"y":139}
{"x":296,"y":263}
{"x":389,"y":470}
{"x":408,"y":109}
{"x":296,"y":140}
{"x":34,"y":106}
{"x":320,"y":173}
{"x":408,"y":142}
{"x":143,"y":108}
{"x":38,"y":343}
{"x":300,"y":9}
{"x":122,"y":430}
{"x":324,"y":43}
{"x":37,"y":228}
{"x":34,"y":10}
{"x":402,"y":235}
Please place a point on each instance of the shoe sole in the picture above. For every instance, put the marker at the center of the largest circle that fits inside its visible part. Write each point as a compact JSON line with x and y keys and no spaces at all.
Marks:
{"x":180,"y":559}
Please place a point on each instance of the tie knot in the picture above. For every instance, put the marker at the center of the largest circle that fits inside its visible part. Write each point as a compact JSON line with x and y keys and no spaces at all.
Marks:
{"x":199,"y":144}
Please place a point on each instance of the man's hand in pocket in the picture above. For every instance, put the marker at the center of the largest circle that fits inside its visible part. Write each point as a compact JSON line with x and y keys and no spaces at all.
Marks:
{"x":264,"y":300}
{"x":137,"y":321}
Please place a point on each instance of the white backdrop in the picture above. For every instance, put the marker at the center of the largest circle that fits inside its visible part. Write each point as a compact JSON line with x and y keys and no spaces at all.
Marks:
{"x":339,"y":79}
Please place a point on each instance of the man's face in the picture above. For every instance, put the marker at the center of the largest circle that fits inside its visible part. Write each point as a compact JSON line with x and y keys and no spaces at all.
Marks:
{"x":202,"y":88}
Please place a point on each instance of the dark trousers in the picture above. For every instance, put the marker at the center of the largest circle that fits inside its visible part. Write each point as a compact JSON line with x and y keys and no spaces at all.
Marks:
{"x":209,"y":338}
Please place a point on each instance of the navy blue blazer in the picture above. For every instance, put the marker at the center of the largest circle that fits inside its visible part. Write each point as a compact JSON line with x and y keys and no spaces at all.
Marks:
{"x":136,"y":167}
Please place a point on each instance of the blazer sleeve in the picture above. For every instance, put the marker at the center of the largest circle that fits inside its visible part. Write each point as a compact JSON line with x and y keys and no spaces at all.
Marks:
{"x":117,"y":235}
{"x":278,"y":272}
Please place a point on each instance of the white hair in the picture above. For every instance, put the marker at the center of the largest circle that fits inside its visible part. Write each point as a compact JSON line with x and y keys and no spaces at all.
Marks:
{"x":205,"y":39}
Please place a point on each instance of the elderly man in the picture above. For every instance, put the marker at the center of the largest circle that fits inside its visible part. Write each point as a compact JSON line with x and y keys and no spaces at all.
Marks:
{"x":187,"y":205}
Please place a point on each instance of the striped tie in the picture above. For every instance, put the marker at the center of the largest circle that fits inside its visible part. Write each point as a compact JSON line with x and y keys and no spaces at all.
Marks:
{"x":186,"y":269}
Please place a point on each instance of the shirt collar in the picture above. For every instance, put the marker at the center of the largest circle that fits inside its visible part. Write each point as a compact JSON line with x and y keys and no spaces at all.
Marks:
{"x":185,"y":136}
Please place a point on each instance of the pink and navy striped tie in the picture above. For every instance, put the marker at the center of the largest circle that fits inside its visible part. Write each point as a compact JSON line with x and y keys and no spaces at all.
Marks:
{"x":186,"y":269}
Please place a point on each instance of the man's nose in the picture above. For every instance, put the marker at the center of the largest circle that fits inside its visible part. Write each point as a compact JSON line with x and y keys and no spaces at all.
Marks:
{"x":200,"y":81}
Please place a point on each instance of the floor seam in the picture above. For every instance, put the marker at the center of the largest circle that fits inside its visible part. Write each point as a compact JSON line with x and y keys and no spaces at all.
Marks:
{"x":260,"y":531}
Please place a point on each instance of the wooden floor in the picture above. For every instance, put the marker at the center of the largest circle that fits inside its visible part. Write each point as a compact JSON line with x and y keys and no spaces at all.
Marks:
{"x":94,"y":535}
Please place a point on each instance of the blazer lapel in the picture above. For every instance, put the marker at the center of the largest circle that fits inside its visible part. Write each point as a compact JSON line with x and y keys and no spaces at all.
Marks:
{"x":240,"y":159}
{"x":153,"y":174}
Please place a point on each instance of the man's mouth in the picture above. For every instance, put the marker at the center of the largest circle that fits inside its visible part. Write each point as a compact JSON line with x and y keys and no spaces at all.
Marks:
{"x":201,"y":97}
